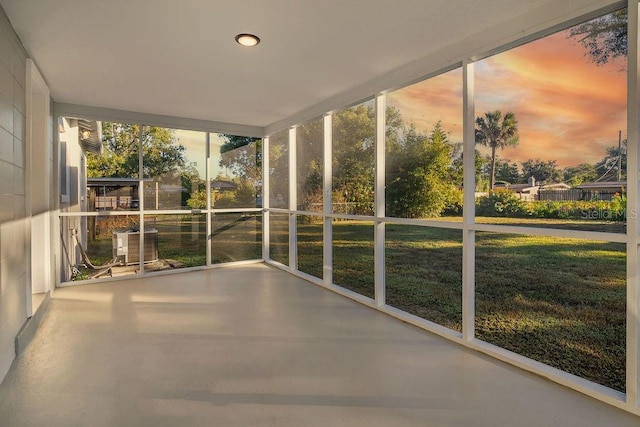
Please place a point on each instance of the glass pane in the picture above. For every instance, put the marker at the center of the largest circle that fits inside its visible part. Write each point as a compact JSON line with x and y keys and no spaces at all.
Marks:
{"x":535,"y":105}
{"x":236,"y":170}
{"x":424,"y":148}
{"x":236,"y":237}
{"x":279,"y":237}
{"x":309,"y":151}
{"x":424,"y":272}
{"x":558,"y":301}
{"x":354,"y":160}
{"x":310,"y":242}
{"x":181,"y":240}
{"x":279,"y":170}
{"x":96,"y":247}
{"x":353,"y":258}
{"x":109,"y":176}
{"x":174,"y":166}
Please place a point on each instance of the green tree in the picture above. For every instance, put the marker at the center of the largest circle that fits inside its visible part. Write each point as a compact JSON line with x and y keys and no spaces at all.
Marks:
{"x":419,"y":175}
{"x":576,"y":175}
{"x":496,"y":132}
{"x":160,"y":153}
{"x":242,"y":155}
{"x":353,"y":158}
{"x":310,"y":143}
{"x":615,"y":160}
{"x":456,"y":169}
{"x":482,"y":164}
{"x":604,"y":38}
{"x":163,"y":160}
{"x":198,"y":200}
{"x":541,"y":170}
{"x":507,"y":172}
{"x":278,"y":168}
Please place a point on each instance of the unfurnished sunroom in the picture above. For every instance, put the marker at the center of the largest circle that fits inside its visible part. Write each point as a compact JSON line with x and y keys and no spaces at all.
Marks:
{"x":472,"y":177}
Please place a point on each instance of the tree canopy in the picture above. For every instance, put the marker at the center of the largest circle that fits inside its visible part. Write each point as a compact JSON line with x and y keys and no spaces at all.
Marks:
{"x":309,"y":165}
{"x":496,"y":132}
{"x":161,"y":153}
{"x":576,"y":175}
{"x":419,"y":175}
{"x":242,"y":155}
{"x":507,"y":172}
{"x":354,"y":158}
{"x":542,"y":171}
{"x":604,"y":38}
{"x":614,"y":163}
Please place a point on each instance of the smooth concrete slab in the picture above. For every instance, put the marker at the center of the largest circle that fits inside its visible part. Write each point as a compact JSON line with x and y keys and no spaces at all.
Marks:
{"x":255,"y":346}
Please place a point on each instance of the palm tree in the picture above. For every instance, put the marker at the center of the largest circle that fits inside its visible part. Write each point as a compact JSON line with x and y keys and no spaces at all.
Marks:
{"x":496,"y":132}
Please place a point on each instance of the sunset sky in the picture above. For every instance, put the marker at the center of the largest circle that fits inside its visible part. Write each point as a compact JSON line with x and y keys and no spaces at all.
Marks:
{"x":568,"y":109}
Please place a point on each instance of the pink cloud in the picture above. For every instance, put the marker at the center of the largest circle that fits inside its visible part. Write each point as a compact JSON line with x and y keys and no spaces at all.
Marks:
{"x":427,"y":102}
{"x":568,"y":109}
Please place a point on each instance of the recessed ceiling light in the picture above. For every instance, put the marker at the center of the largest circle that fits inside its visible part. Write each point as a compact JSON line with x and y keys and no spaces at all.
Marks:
{"x":247,"y":39}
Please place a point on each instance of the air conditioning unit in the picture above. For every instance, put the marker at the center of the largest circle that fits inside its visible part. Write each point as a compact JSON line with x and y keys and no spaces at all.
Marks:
{"x":126,"y":246}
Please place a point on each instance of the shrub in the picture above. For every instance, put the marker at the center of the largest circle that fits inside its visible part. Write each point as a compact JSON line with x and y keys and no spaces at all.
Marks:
{"x":619,"y":207}
{"x":551,"y":209}
{"x":501,"y":202}
{"x":614,"y":210}
{"x":454,"y":204}
{"x":226,"y":200}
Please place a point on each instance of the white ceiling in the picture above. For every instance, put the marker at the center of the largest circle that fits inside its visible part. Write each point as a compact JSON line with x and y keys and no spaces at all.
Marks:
{"x":179,"y":58}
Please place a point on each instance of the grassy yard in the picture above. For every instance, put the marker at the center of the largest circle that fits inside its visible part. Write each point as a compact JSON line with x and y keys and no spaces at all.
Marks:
{"x":235,"y":237}
{"x":279,"y":238}
{"x":424,"y":272}
{"x":564,"y":306}
{"x":310,"y":245}
{"x":558,"y":301}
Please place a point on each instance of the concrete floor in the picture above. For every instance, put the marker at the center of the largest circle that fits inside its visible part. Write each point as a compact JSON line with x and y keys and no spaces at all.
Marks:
{"x":254,"y":346}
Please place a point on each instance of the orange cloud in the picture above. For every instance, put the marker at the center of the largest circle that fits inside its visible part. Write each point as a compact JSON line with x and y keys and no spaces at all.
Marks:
{"x":568,"y":109}
{"x":427,"y":102}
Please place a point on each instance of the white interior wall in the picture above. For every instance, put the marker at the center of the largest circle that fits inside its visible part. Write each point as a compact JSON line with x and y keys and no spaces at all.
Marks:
{"x":13,"y":225}
{"x":40,"y":191}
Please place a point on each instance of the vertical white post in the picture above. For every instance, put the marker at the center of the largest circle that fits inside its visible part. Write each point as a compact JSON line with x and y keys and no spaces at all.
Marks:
{"x":468,"y":236}
{"x":265,"y":198}
{"x":207,"y":175}
{"x":293,"y":201}
{"x":379,"y":196}
{"x":633,"y":197}
{"x":327,"y":232}
{"x":56,"y":226}
{"x":141,"y":195}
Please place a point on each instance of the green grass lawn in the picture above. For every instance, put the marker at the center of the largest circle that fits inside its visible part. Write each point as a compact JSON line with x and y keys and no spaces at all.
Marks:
{"x":555,"y":300}
{"x":310,"y":241}
{"x":424,"y":272}
{"x":558,"y":301}
{"x":279,"y":238}
{"x":235,"y":237}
